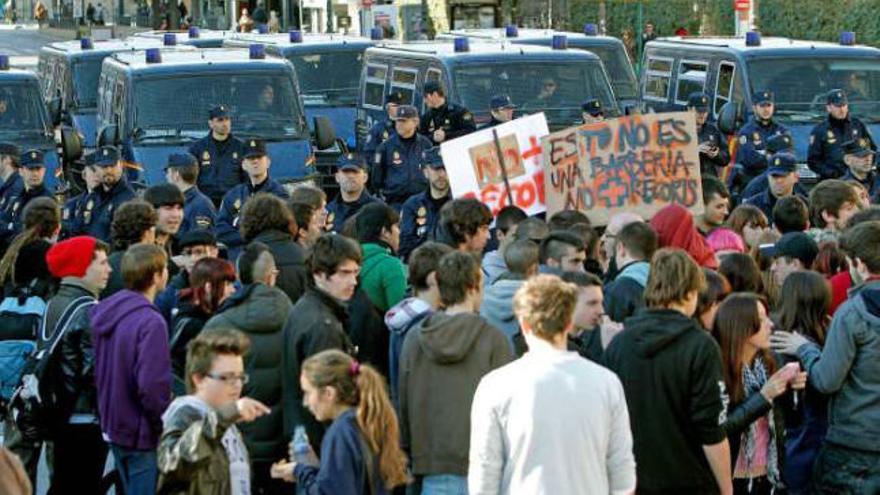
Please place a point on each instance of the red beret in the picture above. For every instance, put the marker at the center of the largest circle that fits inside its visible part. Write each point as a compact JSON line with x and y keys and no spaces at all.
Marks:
{"x":71,"y":257}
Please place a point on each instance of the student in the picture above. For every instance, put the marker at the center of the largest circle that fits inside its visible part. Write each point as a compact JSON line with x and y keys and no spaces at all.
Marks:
{"x":675,"y":229}
{"x":383,"y":276}
{"x":634,"y":246}
{"x":506,"y":223}
{"x":521,"y":258}
{"x":561,"y":252}
{"x":464,"y":225}
{"x":360,"y":454}
{"x":832,"y":203}
{"x":201,"y":450}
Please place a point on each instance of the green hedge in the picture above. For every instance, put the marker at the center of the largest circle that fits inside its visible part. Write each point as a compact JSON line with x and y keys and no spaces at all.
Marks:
{"x":820,"y":19}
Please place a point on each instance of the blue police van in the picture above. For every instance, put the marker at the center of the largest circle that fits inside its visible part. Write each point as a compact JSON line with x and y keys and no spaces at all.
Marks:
{"x":194,"y":36}
{"x":24,"y":118}
{"x":328,"y":68}
{"x":730,"y":70}
{"x":609,"y":49}
{"x":153,"y":103}
{"x":538,"y":79}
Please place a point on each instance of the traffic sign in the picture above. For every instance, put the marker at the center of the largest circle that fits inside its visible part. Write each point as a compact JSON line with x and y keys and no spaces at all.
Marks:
{"x":741,"y":5}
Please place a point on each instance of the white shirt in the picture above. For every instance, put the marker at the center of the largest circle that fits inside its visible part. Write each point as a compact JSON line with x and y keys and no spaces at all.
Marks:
{"x":550,"y":423}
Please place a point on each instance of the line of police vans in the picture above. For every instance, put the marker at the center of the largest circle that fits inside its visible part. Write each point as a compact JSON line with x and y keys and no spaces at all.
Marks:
{"x":149,"y":94}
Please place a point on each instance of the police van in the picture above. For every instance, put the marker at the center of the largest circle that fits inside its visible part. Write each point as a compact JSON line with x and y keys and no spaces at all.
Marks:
{"x":153,"y":103}
{"x":609,"y":49}
{"x":194,"y":36}
{"x":538,"y":79}
{"x":328,"y":68}
{"x":24,"y":118}
{"x":730,"y":70}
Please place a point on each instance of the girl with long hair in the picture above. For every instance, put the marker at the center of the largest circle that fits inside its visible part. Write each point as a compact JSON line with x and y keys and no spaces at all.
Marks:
{"x":23,"y":267}
{"x":360,"y":453}
{"x":753,"y":380}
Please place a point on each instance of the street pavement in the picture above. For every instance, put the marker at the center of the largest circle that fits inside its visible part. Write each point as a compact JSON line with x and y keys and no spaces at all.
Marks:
{"x":26,"y":40}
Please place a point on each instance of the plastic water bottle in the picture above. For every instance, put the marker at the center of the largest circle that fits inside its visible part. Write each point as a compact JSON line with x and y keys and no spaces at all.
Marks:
{"x":301,"y":447}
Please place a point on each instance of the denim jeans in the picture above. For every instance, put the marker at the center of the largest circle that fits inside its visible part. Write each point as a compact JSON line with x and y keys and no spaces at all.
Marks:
{"x":844,"y":471}
{"x":444,"y":484}
{"x":138,"y":470}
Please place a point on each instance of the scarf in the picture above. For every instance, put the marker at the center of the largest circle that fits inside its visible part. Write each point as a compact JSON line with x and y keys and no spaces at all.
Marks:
{"x":754,"y":378}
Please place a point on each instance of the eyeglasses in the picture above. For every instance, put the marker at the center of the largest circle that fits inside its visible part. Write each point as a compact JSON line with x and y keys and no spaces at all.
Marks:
{"x":230,"y":378}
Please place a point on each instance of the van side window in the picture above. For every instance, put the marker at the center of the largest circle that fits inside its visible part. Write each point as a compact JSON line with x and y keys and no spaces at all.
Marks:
{"x":433,"y":75}
{"x":724,"y":85}
{"x":658,"y":76}
{"x":374,"y":86}
{"x":403,"y":81}
{"x":691,"y":79}
{"x":119,"y":104}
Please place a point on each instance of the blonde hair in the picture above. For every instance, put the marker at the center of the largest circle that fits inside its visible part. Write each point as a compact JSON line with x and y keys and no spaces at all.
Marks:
{"x":547,"y":304}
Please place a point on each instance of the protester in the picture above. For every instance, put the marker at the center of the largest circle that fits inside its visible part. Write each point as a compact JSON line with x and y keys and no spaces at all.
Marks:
{"x":724,"y":241}
{"x":382,"y":276}
{"x":521,"y":258}
{"x":201,"y":450}
{"x":168,"y":201}
{"x":742,"y":272}
{"x":677,"y":413}
{"x":562,"y":252}
{"x":531,"y":229}
{"x":716,"y":289}
{"x":360,"y":454}
{"x":635,"y":244}
{"x":791,"y":214}
{"x":133,"y":223}
{"x":506,"y":222}
{"x":133,"y":367}
{"x":465,"y":223}
{"x":716,"y":205}
{"x":536,"y":404}
{"x":193,"y":246}
{"x":675,"y":229}
{"x":608,"y":241}
{"x":309,"y":222}
{"x":749,"y":222}
{"x":793,"y":252}
{"x":832,"y":203}
{"x":23,"y":269}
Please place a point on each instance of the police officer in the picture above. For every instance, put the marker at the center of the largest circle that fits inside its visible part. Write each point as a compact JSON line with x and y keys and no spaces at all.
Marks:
{"x":256,"y":165}
{"x":713,"y":147}
{"x":776,"y":144}
{"x":182,"y":170}
{"x":421,"y":212}
{"x":383,"y":129}
{"x":220,"y":155}
{"x":501,"y":109}
{"x":782,"y":179}
{"x":752,"y":153}
{"x":396,"y":174}
{"x":97,"y":214}
{"x":444,"y":120}
{"x":351,"y":175}
{"x":33,"y":172}
{"x":826,"y":156}
{"x":592,"y":111}
{"x":12,"y":181}
{"x":71,"y":214}
{"x":861,"y":168}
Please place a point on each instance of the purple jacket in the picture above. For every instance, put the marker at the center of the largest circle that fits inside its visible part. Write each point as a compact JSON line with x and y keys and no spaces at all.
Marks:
{"x":132,"y":369}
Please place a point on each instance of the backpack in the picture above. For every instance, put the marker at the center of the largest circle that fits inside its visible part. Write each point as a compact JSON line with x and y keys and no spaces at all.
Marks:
{"x":31,"y":405}
{"x":20,"y":319}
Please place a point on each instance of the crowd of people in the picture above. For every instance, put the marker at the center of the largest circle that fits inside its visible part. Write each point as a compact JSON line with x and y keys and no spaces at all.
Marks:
{"x":219,"y":333}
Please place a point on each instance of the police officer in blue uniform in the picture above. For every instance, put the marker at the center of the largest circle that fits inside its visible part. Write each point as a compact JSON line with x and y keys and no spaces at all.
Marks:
{"x":444,"y":120}
{"x":396,"y":174}
{"x":776,"y":144}
{"x":714,"y":154}
{"x":751,"y":157}
{"x":826,"y":156}
{"x":421,"y":212}
{"x":182,"y":170}
{"x":383,"y":129}
{"x":220,"y":155}
{"x":501,"y":108}
{"x":862,"y":168}
{"x":782,"y":178}
{"x":13,"y":184}
{"x":33,"y":172}
{"x":592,"y":111}
{"x":256,"y":165}
{"x":351,"y":175}
{"x":102,"y":203}
{"x":71,"y":213}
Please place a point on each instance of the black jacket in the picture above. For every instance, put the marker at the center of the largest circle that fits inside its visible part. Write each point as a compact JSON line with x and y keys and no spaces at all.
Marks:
{"x":290,"y":260}
{"x":259,"y":311}
{"x":185,"y":326}
{"x":72,"y":378}
{"x":671,"y":375}
{"x":314,"y":324}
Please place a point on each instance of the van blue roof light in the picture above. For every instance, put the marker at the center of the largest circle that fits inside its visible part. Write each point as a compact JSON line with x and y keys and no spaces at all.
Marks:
{"x":511,"y":31}
{"x":753,"y":38}
{"x":86,"y":44}
{"x":847,"y":38}
{"x":4,"y":62}
{"x":153,"y":56}
{"x":257,"y":51}
{"x":461,"y":45}
{"x":296,"y":36}
{"x":591,"y":29}
{"x":560,"y":42}
{"x":263,"y":28}
{"x":376,"y":34}
{"x":170,"y":39}
{"x":193,"y":32}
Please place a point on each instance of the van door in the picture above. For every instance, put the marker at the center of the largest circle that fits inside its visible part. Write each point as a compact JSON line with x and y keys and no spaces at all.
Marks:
{"x":657,"y":80}
{"x":728,"y":85}
{"x":692,"y":75}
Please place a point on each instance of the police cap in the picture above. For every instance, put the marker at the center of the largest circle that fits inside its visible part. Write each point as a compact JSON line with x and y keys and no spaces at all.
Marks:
{"x":350,"y":161}
{"x":857,"y":148}
{"x":431,"y":158}
{"x":698,"y":100}
{"x":106,"y":156}
{"x":501,"y":102}
{"x":433,"y":87}
{"x":32,"y":159}
{"x":219,"y":112}
{"x":782,"y":164}
{"x":763,"y":96}
{"x":254,"y":148}
{"x":176,"y":160}
{"x":593,"y":107}
{"x":406,"y":112}
{"x":9,"y":149}
{"x":837,"y":97}
{"x":779,"y":142}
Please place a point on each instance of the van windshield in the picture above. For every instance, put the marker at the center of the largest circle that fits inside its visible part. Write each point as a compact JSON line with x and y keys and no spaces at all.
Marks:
{"x":619,"y":69}
{"x":329,"y":79}
{"x":800,"y":85}
{"x":86,"y":72}
{"x":22,"y":111}
{"x":261,"y":105}
{"x":556,"y":88}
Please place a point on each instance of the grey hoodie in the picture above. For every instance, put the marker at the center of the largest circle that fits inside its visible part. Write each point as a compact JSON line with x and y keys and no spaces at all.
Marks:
{"x":848,"y":369}
{"x":497,"y":307}
{"x":441,"y":364}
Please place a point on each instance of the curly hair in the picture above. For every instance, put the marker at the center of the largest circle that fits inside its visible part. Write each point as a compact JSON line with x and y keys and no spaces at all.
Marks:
{"x":130,"y":222}
{"x":264,"y":212}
